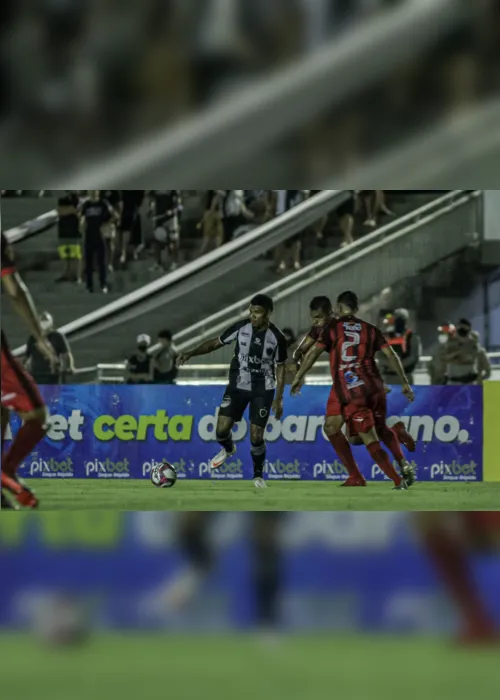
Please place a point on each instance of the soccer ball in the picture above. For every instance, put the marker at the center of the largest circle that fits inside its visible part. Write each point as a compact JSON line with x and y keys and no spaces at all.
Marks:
{"x":164,"y":476}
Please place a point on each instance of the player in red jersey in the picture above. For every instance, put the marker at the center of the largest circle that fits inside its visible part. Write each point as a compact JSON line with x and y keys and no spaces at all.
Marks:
{"x":358,"y":397}
{"x":321,"y":311}
{"x":450,"y":539}
{"x":19,"y":391}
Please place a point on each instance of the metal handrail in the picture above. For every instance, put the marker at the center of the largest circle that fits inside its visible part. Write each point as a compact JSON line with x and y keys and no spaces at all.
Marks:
{"x":293,"y":282}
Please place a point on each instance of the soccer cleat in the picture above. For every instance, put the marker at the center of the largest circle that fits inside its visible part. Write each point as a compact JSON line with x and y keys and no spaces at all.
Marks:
{"x":23,"y":495}
{"x":219,"y":459}
{"x":354,"y":481}
{"x":404,"y":436}
{"x":408,"y":473}
{"x":260,"y":483}
{"x":403,"y":486}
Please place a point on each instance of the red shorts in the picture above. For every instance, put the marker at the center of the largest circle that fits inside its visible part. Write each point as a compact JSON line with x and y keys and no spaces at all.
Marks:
{"x":19,"y":391}
{"x":361,"y":415}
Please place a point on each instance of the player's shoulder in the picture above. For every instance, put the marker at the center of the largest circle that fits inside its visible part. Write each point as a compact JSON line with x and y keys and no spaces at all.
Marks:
{"x":277,"y":332}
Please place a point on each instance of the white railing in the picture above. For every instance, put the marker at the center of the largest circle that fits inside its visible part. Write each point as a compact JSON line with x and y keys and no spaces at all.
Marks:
{"x":214,"y":324}
{"x":29,"y":228}
{"x":114,"y":373}
{"x":271,"y":108}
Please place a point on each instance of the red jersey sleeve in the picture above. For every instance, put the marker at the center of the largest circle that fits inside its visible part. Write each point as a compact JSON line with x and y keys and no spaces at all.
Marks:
{"x":8,"y":264}
{"x":325,"y":338}
{"x":315,"y":333}
{"x":381,"y":341}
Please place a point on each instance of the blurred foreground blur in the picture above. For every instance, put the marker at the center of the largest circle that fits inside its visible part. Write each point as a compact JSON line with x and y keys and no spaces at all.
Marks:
{"x":231,"y":604}
{"x":107,"y":73}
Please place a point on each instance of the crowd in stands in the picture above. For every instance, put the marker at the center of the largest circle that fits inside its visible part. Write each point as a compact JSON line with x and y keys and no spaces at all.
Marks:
{"x":105,"y":74}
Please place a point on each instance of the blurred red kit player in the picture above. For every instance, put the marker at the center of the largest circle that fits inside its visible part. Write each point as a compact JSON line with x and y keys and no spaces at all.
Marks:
{"x":358,"y":395}
{"x":19,"y":391}
{"x":450,"y":539}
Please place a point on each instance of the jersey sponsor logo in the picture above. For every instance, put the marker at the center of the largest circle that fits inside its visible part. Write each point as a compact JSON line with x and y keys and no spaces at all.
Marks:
{"x":108,"y":469}
{"x":353,"y":326}
{"x":257,"y":341}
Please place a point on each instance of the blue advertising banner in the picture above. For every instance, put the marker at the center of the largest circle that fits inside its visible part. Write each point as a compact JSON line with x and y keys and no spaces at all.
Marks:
{"x":123,"y":431}
{"x":338,"y":571}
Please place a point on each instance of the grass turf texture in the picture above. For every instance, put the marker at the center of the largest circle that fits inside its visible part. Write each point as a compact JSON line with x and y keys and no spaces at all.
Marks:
{"x":358,"y":667}
{"x":243,"y":496}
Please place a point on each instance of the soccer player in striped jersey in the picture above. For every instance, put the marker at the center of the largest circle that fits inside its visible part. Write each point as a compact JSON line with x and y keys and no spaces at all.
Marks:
{"x":256,"y":379}
{"x":358,"y":396}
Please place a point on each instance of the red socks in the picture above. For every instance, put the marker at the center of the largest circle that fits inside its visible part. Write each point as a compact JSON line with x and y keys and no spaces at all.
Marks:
{"x":381,"y":458}
{"x":390,"y":440}
{"x":343,"y":449}
{"x":24,"y":443}
{"x":451,"y":563}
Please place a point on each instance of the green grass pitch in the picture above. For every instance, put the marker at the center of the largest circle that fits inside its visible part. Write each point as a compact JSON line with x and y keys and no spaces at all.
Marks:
{"x":243,"y":496}
{"x":359,"y":667}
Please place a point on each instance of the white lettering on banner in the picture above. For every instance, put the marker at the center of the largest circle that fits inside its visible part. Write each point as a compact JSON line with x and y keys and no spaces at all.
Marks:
{"x":108,"y":469}
{"x":61,"y":427}
{"x":331,"y":471}
{"x":180,"y":468}
{"x":229,"y":470}
{"x":425,"y":429}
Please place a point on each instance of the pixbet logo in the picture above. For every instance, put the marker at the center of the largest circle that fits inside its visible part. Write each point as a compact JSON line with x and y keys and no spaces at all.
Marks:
{"x":229,"y":470}
{"x":180,"y":468}
{"x":282,"y":470}
{"x":108,"y":469}
{"x":51,"y":468}
{"x":377,"y":471}
{"x":455,"y":471}
{"x":330,"y":471}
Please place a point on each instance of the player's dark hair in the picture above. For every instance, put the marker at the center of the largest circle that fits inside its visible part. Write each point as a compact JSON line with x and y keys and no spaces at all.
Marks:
{"x":165,"y":334}
{"x":465,"y":322}
{"x":321,"y":304}
{"x":349,"y":299}
{"x":263,"y":300}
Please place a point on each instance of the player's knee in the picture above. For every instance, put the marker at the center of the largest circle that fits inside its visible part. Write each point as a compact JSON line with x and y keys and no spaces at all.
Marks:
{"x":257,"y":447}
{"x":332,"y":428}
{"x":39,"y":415}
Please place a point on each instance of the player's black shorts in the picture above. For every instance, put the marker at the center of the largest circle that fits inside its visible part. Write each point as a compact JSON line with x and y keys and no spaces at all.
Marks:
{"x":235,"y":402}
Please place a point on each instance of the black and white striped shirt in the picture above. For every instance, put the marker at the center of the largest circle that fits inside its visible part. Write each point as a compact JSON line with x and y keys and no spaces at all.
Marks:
{"x":253,"y":367}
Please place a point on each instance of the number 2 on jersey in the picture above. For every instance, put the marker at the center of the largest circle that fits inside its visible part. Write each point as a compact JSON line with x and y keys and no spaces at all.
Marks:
{"x":353,"y":340}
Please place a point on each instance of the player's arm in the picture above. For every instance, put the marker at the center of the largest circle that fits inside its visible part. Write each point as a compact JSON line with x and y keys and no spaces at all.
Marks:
{"x":281,"y":359}
{"x":308,"y":363}
{"x":397,"y":367}
{"x":22,"y":302}
{"x":303,"y":348}
{"x":204,"y":349}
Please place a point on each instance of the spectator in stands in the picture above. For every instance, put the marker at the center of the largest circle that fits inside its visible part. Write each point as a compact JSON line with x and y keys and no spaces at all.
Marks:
{"x":235,"y":213}
{"x":375,"y":204}
{"x":41,"y":369}
{"x":406,"y":344}
{"x":437,"y":365}
{"x":164,"y":359}
{"x":466,"y":360}
{"x":165,"y":207}
{"x":114,"y":198}
{"x":139,"y":368}
{"x":69,"y":248}
{"x":346,"y":213}
{"x":130,"y":229}
{"x":96,"y":213}
{"x":284,"y":201}
{"x":212,"y":226}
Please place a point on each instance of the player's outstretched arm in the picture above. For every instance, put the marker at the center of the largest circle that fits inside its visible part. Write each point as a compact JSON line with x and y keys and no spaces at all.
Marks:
{"x":309,"y":361}
{"x":302,"y":350}
{"x":204,"y":349}
{"x":397,"y":367}
{"x":22,"y":302}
